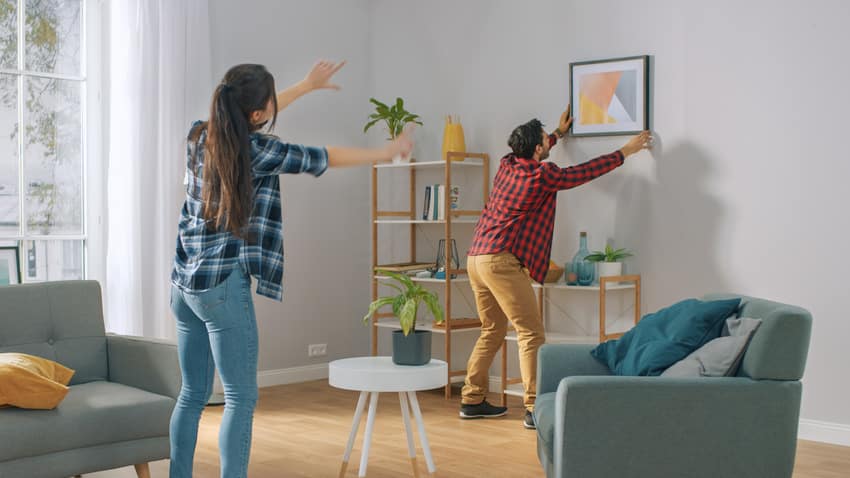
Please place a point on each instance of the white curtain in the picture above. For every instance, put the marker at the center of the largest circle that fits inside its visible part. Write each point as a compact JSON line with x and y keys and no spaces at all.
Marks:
{"x":160,"y":79}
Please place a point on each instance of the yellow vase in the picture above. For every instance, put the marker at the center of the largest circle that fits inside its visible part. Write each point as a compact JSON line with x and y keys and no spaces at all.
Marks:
{"x":453,"y":139}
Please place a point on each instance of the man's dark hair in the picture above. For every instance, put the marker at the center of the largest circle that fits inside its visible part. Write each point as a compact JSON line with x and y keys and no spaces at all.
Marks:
{"x":525,"y":138}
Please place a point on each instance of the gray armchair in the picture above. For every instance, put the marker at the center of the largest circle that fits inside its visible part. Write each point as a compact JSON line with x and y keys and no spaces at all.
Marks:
{"x":592,"y":424}
{"x":119,"y":405}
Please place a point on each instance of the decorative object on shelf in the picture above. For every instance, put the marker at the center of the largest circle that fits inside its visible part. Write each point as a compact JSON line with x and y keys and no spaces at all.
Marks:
{"x":582,"y":271}
{"x":394,"y":117}
{"x":406,"y":267}
{"x":10,"y":265}
{"x":612,"y":96}
{"x":440,"y":267}
{"x":608,"y":261}
{"x":453,"y":139}
{"x":410,"y":346}
{"x":554,"y":274}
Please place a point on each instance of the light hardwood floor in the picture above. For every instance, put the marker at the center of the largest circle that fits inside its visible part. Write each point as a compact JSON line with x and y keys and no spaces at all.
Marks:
{"x":301,"y":430}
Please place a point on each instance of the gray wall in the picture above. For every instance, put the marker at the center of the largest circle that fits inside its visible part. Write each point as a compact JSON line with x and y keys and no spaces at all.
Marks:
{"x":745,"y":188}
{"x":326,"y":220}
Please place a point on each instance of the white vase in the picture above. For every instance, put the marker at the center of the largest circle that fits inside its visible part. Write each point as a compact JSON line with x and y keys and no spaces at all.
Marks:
{"x":608,"y":269}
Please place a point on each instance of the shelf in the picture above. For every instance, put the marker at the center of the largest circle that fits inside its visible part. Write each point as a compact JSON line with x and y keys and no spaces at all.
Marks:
{"x":590,"y":287}
{"x":461,"y":279}
{"x":556,"y":338}
{"x":393,"y":324}
{"x":431,"y":164}
{"x":515,"y":390}
{"x":426,"y":221}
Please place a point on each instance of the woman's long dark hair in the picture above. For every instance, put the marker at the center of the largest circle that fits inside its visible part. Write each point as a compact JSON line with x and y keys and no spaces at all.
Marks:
{"x":227,"y":192}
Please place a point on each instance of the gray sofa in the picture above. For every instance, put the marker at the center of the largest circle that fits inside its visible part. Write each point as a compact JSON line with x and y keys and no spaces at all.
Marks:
{"x":120,"y":400}
{"x":591,"y":424}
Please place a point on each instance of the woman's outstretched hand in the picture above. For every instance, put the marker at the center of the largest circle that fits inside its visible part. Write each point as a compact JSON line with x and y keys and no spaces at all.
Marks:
{"x":320,"y":75}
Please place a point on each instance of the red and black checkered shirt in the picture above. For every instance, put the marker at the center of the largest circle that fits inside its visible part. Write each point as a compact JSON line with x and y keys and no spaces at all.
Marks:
{"x":520,"y":215}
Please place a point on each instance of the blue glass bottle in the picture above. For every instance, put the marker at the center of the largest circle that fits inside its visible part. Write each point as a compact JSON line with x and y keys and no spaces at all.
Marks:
{"x":583,"y":272}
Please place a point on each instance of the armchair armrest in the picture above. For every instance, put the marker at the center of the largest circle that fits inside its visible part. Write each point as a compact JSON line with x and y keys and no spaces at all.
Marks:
{"x":148,"y":364}
{"x":556,"y":361}
{"x":658,"y":426}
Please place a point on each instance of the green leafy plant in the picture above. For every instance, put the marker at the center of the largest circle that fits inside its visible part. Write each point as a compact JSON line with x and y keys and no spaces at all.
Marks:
{"x":395,"y":117}
{"x":406,"y":303}
{"x":608,"y":255}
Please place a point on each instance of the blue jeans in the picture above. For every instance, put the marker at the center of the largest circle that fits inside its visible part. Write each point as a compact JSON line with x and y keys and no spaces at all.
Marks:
{"x":215,"y":328}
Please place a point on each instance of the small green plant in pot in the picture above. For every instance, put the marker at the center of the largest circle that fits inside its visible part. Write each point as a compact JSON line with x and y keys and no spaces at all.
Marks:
{"x":410,"y":346}
{"x":395,"y":117}
{"x":608,"y":261}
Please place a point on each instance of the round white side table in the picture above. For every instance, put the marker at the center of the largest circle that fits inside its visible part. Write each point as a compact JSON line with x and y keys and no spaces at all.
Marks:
{"x":372,"y":375}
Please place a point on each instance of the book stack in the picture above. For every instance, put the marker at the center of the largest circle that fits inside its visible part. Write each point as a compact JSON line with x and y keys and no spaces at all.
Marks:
{"x":434,"y":207}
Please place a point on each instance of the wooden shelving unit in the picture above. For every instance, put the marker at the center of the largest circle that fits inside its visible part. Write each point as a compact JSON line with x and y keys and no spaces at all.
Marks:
{"x":606,"y":284}
{"x":410,"y":219}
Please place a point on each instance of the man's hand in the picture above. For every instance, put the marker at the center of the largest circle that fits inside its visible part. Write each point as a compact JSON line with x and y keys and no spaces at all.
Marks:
{"x":564,"y":123}
{"x":320,"y":75}
{"x":639,"y":142}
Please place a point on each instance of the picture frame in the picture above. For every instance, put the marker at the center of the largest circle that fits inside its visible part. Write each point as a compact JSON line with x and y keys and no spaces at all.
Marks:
{"x":10,"y":265}
{"x":610,"y":97}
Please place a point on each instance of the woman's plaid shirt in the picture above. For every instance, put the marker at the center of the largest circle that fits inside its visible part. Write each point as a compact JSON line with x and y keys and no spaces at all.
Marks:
{"x":520,"y":214}
{"x":205,"y":258}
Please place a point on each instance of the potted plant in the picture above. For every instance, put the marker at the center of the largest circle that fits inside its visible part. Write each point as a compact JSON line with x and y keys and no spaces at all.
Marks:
{"x":394,"y":118}
{"x":608,"y":261}
{"x":410,"y":346}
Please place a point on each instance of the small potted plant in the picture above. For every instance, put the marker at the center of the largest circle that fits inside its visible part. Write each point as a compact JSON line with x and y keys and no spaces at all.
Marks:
{"x":395,"y":117}
{"x":410,"y":346}
{"x":608,"y":261}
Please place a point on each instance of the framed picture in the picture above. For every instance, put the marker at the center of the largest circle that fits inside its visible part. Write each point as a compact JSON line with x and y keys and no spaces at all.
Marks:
{"x":610,"y":97}
{"x":10,"y":266}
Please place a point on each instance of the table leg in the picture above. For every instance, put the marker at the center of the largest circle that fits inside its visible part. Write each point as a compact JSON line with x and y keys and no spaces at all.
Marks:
{"x":414,"y":403}
{"x":367,"y":438}
{"x":358,"y":413}
{"x":411,"y":447}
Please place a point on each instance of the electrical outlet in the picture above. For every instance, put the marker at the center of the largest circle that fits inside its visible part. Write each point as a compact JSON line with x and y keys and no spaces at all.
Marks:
{"x":317,"y":350}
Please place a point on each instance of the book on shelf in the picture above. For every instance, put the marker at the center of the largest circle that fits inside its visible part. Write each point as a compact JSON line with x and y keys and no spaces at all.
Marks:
{"x":426,"y":208}
{"x":434,"y":205}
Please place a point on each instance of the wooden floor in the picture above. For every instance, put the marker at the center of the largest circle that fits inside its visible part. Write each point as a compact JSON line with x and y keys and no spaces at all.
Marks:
{"x":301,"y":430}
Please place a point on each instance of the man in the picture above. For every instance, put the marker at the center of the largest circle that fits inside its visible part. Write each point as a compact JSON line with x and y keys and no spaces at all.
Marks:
{"x":511,"y":247}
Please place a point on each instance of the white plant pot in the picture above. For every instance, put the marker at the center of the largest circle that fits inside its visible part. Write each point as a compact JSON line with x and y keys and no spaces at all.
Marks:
{"x":399,"y":159}
{"x":608,"y":269}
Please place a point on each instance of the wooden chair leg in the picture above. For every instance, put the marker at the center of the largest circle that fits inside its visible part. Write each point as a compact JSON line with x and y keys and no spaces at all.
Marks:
{"x":143,"y":470}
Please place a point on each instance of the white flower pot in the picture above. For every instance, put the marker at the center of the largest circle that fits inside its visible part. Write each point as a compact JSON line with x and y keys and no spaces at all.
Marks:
{"x":399,"y":159}
{"x":608,"y":269}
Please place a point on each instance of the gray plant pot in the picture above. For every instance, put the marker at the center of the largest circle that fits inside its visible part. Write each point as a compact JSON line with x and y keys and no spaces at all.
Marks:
{"x":415,"y":349}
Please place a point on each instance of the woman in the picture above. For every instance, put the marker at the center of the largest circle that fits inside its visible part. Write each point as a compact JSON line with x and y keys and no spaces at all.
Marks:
{"x":230,"y":231}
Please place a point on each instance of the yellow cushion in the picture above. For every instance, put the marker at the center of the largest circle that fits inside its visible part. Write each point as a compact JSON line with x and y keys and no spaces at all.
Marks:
{"x":27,"y":381}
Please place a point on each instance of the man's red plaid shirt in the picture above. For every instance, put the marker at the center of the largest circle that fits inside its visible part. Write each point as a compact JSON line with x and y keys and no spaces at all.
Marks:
{"x":520,"y":214}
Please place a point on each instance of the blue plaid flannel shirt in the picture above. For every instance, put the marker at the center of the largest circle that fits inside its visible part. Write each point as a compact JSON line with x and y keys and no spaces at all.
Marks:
{"x":205,"y":258}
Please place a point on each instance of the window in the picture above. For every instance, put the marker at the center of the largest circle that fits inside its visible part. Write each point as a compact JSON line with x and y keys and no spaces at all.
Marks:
{"x":42,"y":136}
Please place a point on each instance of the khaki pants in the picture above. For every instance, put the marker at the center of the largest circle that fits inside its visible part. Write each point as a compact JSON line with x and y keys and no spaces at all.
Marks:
{"x":503,"y":292}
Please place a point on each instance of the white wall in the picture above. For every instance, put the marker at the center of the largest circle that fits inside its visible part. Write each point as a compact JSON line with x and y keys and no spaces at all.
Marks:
{"x":744,"y":189}
{"x":326,"y":220}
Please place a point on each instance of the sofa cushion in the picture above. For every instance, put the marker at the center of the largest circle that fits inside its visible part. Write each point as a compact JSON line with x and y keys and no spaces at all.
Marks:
{"x":27,"y":381}
{"x":544,"y":419}
{"x":93,"y":413}
{"x":719,"y":357}
{"x":58,"y":320}
{"x":663,"y":338}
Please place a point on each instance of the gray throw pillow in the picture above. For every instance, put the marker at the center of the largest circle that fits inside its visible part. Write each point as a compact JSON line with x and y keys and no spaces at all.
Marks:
{"x":719,"y":357}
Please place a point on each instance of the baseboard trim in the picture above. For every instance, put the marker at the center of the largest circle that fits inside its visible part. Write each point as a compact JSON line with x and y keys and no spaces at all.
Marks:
{"x":826,"y":432}
{"x":284,"y":376}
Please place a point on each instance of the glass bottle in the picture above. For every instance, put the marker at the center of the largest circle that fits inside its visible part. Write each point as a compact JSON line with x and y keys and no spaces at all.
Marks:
{"x":581,"y":271}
